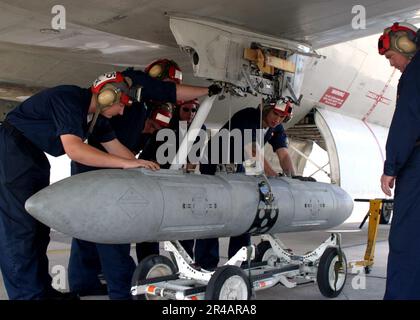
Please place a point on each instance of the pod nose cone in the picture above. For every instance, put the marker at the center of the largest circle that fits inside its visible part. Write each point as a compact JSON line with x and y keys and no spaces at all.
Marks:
{"x":35,"y":206}
{"x":48,"y":206}
{"x":103,"y":206}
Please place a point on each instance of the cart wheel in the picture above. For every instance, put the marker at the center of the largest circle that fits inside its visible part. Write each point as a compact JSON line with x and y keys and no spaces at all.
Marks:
{"x":152,"y":266}
{"x":332,"y":274}
{"x":264,"y":251}
{"x":228,"y":283}
{"x":386,"y":213}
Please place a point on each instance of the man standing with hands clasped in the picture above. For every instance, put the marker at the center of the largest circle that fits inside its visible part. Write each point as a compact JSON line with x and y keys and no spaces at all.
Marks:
{"x":402,"y":166}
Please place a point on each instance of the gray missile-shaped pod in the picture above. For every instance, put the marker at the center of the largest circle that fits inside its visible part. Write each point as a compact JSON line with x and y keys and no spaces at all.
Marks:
{"x":137,"y":205}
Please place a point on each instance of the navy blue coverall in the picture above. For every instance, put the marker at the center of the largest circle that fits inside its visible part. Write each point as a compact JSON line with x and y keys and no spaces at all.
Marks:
{"x":87,"y":259}
{"x":207,"y":250}
{"x":32,"y":128}
{"x":403,"y":161}
{"x":113,"y":260}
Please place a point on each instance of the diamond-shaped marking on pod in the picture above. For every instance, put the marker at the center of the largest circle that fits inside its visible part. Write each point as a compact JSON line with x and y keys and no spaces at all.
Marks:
{"x":131,"y":201}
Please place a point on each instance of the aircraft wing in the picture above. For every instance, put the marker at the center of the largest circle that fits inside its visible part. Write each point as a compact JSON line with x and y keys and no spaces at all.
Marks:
{"x":100,"y":35}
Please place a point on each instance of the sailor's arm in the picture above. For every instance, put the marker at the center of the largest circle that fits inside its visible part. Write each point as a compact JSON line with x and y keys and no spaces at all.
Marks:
{"x":285,"y":161}
{"x":187,"y":92}
{"x":255,"y":153}
{"x":90,"y":156}
{"x":115,"y":147}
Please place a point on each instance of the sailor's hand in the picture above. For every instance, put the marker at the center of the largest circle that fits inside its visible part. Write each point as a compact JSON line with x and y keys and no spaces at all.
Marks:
{"x":387,"y":183}
{"x":214,"y":89}
{"x":139,"y":163}
{"x":149,"y":164}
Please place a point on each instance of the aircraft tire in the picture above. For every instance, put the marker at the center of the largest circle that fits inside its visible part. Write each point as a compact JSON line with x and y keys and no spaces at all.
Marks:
{"x":224,"y":280}
{"x":386,"y":213}
{"x":261,"y":250}
{"x":326,"y":275}
{"x":152,"y":266}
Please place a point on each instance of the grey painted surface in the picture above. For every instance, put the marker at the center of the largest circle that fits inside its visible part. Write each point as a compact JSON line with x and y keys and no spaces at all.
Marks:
{"x":124,"y":206}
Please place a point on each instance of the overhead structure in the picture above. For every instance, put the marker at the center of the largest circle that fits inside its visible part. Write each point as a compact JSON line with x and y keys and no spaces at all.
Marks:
{"x":245,"y":61}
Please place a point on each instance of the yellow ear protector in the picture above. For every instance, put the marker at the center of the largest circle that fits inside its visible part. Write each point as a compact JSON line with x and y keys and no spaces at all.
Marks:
{"x":404,"y":42}
{"x":108,"y":95}
{"x":164,"y":69}
{"x":155,"y":71}
{"x":110,"y":88}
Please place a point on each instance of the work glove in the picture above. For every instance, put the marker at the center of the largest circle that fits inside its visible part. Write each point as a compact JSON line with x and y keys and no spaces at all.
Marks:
{"x":214,"y":89}
{"x":304,"y":178}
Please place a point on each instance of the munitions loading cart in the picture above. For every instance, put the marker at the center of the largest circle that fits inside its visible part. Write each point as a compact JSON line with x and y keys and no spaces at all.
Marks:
{"x":251,"y":269}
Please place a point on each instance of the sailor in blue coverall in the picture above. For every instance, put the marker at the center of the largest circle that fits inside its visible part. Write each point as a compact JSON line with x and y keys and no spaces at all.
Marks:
{"x":52,"y":121}
{"x":402,"y":165}
{"x":207,"y":250}
{"x":87,"y":259}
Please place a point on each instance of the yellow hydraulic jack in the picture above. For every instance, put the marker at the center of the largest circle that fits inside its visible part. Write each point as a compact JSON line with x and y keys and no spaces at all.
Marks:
{"x":379,"y":213}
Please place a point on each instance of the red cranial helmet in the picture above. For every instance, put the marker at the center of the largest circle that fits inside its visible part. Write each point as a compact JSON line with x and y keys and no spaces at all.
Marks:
{"x":190,"y":104}
{"x":400,"y":37}
{"x":282,"y":107}
{"x":165,"y":69}
{"x":162,"y":113}
{"x":111,"y":88}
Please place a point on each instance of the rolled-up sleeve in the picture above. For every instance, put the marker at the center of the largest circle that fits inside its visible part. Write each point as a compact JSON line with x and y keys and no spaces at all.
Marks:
{"x":278,"y":139}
